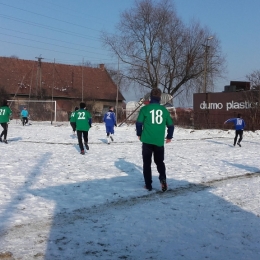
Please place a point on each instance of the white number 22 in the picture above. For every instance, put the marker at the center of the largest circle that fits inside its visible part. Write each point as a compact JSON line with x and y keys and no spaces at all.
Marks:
{"x":81,"y":115}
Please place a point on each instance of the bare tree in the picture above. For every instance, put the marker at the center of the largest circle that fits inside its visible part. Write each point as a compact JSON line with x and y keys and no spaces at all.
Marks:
{"x":86,"y":64}
{"x":252,"y":113}
{"x":119,"y":79}
{"x":159,"y":50}
{"x":14,"y":57}
{"x":254,"y":78}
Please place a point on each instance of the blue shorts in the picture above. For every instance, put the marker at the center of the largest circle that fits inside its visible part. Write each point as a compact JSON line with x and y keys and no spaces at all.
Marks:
{"x":110,"y":129}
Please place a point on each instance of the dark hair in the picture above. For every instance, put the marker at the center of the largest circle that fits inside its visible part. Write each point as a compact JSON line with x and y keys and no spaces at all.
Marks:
{"x":76,"y":108}
{"x":82,"y":105}
{"x":239,"y":115}
{"x":4,"y":102}
{"x":156,"y":92}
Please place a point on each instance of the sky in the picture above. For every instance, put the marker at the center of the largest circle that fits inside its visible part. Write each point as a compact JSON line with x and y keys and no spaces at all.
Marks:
{"x":58,"y":204}
{"x":69,"y":31}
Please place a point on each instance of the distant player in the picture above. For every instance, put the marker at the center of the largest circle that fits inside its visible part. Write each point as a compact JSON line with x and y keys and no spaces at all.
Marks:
{"x":150,"y":129}
{"x":239,"y":124}
{"x":24,"y":115}
{"x":110,"y":121}
{"x":83,"y":124}
{"x":5,"y":114}
{"x":73,"y":120}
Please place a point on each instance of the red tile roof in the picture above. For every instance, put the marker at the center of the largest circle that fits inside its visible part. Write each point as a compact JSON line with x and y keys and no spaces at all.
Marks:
{"x":18,"y":75}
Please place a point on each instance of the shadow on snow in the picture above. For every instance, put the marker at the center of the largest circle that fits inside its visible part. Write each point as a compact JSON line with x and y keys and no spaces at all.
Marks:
{"x":189,"y":221}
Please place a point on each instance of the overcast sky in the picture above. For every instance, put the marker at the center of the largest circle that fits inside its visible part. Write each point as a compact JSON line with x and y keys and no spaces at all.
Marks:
{"x":69,"y":31}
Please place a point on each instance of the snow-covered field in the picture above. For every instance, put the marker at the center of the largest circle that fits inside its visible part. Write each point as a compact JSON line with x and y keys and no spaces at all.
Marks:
{"x":58,"y":204}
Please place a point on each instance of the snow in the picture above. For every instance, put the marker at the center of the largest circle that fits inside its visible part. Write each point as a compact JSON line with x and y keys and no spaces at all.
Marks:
{"x":58,"y":204}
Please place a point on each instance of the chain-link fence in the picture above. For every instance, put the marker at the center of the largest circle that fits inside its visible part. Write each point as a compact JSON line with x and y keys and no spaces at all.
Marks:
{"x":37,"y":110}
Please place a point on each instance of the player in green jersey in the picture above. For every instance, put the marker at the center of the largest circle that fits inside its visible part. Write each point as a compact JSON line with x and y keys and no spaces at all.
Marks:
{"x":150,"y":128}
{"x":5,"y":113}
{"x":73,"y":119}
{"x":83,"y":124}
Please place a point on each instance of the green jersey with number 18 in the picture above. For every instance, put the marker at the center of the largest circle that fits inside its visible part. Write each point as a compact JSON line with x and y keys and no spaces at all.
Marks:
{"x":155,"y":118}
{"x":82,"y":120}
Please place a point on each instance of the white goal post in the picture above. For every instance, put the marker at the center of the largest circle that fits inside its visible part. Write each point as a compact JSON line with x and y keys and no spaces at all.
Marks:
{"x":18,"y":104}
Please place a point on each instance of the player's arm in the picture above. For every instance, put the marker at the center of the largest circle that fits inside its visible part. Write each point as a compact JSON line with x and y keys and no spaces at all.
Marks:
{"x":230,"y":120}
{"x":244,"y":124}
{"x":139,"y":123}
{"x":90,"y":119}
{"x":170,"y":129}
{"x":139,"y":128}
{"x":114,"y":119}
{"x":90,"y":122}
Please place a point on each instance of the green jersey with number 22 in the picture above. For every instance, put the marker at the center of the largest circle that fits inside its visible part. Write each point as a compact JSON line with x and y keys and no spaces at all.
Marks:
{"x":155,"y":118}
{"x":82,"y":120}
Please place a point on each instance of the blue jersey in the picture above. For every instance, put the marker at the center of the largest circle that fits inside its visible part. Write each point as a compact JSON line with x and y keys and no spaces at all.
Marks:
{"x":24,"y":113}
{"x":238,"y":122}
{"x":109,"y":118}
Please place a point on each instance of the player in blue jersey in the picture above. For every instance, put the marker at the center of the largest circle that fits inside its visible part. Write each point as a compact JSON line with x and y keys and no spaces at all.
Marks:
{"x":110,"y":121}
{"x":239,"y":124}
{"x":24,"y":115}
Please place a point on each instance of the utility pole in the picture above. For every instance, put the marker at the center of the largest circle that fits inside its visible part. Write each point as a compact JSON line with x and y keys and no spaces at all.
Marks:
{"x":205,"y":77}
{"x":117,"y":86}
{"x":53,"y":77}
{"x":82,"y":74}
{"x":206,"y":63}
{"x":30,"y":91}
{"x":39,"y":75}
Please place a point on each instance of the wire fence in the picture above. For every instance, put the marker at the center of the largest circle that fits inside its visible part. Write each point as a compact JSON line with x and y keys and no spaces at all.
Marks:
{"x":38,"y":110}
{"x":215,"y":120}
{"x":188,"y":118}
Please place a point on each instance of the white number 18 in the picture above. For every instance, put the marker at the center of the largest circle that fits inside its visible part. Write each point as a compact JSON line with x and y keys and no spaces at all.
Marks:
{"x":157,"y":116}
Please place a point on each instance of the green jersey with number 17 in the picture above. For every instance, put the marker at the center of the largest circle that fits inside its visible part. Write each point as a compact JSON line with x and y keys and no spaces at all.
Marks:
{"x":155,"y":118}
{"x":82,"y":120}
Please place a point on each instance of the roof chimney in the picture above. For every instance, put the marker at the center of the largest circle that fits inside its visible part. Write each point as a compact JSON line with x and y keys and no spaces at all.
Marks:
{"x":102,"y":66}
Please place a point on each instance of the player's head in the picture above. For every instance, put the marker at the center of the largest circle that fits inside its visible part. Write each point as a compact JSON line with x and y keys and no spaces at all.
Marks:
{"x":239,"y":115}
{"x":82,"y":105}
{"x":156,"y":93}
{"x":111,"y":108}
{"x":4,"y":102}
{"x":76,"y":108}
{"x":24,"y":108}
